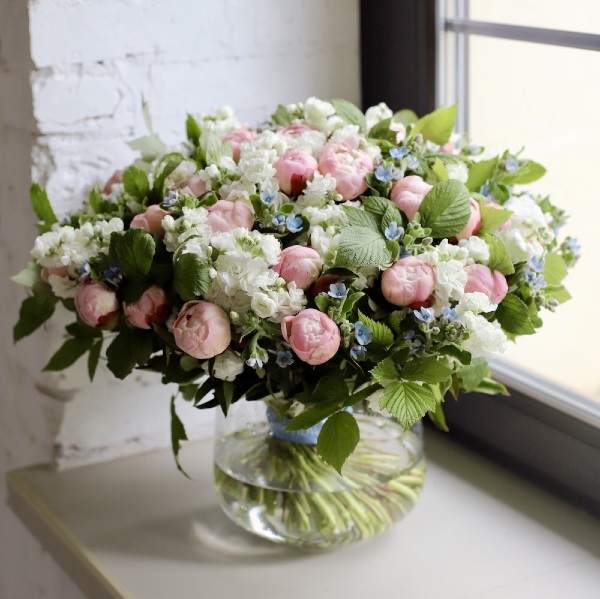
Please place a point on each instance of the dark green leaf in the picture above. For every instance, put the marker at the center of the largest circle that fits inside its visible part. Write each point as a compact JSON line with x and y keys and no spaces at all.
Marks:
{"x":190,"y":277}
{"x":70,"y":351}
{"x":93,"y":358}
{"x":224,"y":394}
{"x":35,"y":311}
{"x":129,"y":348}
{"x":436,"y":126}
{"x":178,"y":435}
{"x":192,"y":130}
{"x":350,"y":113}
{"x":134,"y":251}
{"x":311,"y":417}
{"x":83,"y":331}
{"x":446,"y":208}
{"x":407,"y":402}
{"x":338,"y":439}
{"x":513,"y":316}
{"x":42,"y":207}
{"x":428,"y":370}
{"x":135,"y":182}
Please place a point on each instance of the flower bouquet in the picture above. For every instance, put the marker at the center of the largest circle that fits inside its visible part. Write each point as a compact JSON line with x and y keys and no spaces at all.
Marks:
{"x":349,"y":270}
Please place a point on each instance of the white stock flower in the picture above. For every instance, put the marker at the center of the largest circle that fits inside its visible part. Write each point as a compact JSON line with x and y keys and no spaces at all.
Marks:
{"x":377,"y":113}
{"x":486,"y":339}
{"x":479,"y":250}
{"x":263,"y":305}
{"x":458,"y":171}
{"x":326,"y":243}
{"x":475,"y":302}
{"x":63,"y":287}
{"x":345,"y":132}
{"x":227,"y":366}
{"x":316,"y":113}
{"x":450,"y":280}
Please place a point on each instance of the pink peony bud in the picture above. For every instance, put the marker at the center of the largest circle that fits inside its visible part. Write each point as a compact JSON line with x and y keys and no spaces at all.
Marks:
{"x":150,"y":220}
{"x":236,"y":138}
{"x":152,"y":306}
{"x":409,"y":282}
{"x":473,"y":224}
{"x":300,"y":264}
{"x":97,"y":305}
{"x":194,"y":185}
{"x":312,"y":335}
{"x":294,"y":131}
{"x":447,"y":148}
{"x":408,"y":194}
{"x":481,"y":279}
{"x":294,"y":168}
{"x":225,"y":215}
{"x":347,"y":165}
{"x":202,"y":329}
{"x":116,"y":177}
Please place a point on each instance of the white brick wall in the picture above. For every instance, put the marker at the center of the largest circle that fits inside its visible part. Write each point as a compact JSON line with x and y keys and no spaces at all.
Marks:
{"x":72,"y":75}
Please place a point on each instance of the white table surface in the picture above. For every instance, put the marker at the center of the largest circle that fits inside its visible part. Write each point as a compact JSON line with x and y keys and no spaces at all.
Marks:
{"x":137,"y":529}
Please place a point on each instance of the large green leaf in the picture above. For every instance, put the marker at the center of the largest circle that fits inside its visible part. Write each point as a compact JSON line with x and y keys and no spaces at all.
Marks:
{"x":190,"y":277}
{"x":338,"y":439}
{"x":135,"y":181}
{"x":428,"y":370}
{"x":35,"y":311}
{"x":42,"y":208}
{"x":134,"y":252}
{"x":350,"y":113}
{"x":480,"y":172}
{"x":361,"y":246}
{"x":513,"y":316}
{"x":70,"y":351}
{"x":437,"y":126}
{"x":407,"y":402}
{"x":446,"y":208}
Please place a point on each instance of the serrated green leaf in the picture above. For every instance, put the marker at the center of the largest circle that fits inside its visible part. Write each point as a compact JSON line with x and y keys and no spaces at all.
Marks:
{"x":42,"y":208}
{"x":350,"y":113}
{"x":190,"y":277}
{"x":282,"y":116}
{"x":350,"y":302}
{"x":406,"y":117}
{"x":129,"y":348}
{"x":376,"y":205}
{"x":361,"y":246}
{"x":338,"y":439}
{"x":428,"y":370}
{"x":492,"y":219}
{"x":28,"y":277}
{"x":69,"y":352}
{"x":407,"y":402}
{"x":446,"y":208}
{"x":178,"y":435}
{"x":360,"y":218}
{"x":471,"y":376}
{"x":381,"y":334}
{"x":94,"y":357}
{"x":499,"y":257}
{"x":135,"y":182}
{"x":437,"y":126}
{"x":513,"y":316}
{"x":555,"y":269}
{"x":385,"y":371}
{"x":391,"y":214}
{"x":480,"y":172}
{"x":311,"y":417}
{"x":134,"y":251}
{"x":34,"y":312}
{"x":192,"y":130}
{"x":165,"y":167}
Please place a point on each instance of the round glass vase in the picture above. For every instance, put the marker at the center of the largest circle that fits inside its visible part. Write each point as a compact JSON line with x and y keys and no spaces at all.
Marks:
{"x":274,"y":485}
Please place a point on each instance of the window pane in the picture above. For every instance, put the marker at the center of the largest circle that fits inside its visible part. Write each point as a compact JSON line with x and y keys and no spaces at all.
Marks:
{"x":546,"y":99}
{"x":583,"y":16}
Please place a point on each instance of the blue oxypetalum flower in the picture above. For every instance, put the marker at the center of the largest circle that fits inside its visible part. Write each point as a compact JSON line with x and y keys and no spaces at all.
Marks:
{"x":284,"y":358}
{"x":537,"y":264}
{"x":573,"y":245}
{"x":362,"y":332}
{"x":449,"y":313}
{"x":337,"y":290}
{"x":413,"y":162}
{"x":113,"y":273}
{"x":358,"y":351}
{"x":432,"y":146}
{"x":267,"y":196}
{"x":414,"y":346}
{"x":398,"y":153}
{"x":393,"y":232}
{"x":83,"y":270}
{"x":511,"y":165}
{"x":294,"y":223}
{"x":424,"y":315}
{"x":484,"y":190}
{"x":386,"y":173}
{"x":171,"y":198}
{"x":278,"y":219}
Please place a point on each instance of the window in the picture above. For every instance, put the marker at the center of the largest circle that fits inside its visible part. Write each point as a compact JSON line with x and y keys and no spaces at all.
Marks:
{"x":523,"y":71}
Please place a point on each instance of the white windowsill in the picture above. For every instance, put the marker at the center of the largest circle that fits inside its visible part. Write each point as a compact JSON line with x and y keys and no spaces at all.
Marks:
{"x":137,"y":529}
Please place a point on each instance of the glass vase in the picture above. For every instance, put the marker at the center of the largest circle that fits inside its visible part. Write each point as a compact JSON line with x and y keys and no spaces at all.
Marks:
{"x":273,"y":484}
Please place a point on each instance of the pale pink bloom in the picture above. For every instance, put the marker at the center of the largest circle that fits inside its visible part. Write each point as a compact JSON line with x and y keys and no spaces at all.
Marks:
{"x":312,"y":335}
{"x":236,"y":137}
{"x":473,"y":224}
{"x":294,"y":131}
{"x":447,"y":148}
{"x":225,"y":215}
{"x":294,"y":168}
{"x":152,"y":306}
{"x":408,"y":194}
{"x":347,"y":165}
{"x":116,"y":177}
{"x":194,"y":185}
{"x":202,"y":329}
{"x":150,"y":220}
{"x":97,"y":305}
{"x":409,"y":282}
{"x":299,"y":264}
{"x":400,"y":130}
{"x":59,"y":271}
{"x":481,"y":279}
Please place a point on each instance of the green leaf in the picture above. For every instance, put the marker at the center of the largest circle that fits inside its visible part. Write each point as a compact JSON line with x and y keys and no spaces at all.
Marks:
{"x":499,"y":257}
{"x":406,"y":117}
{"x":382,"y":131}
{"x":35,"y":311}
{"x":149,"y":146}
{"x":492,"y":219}
{"x":311,"y":417}
{"x":70,"y":351}
{"x":81,"y":330}
{"x":446,"y":208}
{"x":135,"y":182}
{"x":224,"y":395}
{"x":557,"y":292}
{"x":436,"y":126}
{"x":360,"y":218}
{"x":338,"y":439}
{"x":532,"y":172}
{"x":491,"y":387}
{"x":190,"y":277}
{"x":282,"y":116}
{"x":376,"y":205}
{"x":164,"y":168}
{"x":192,"y":130}
{"x":350,"y":113}
{"x":391,"y":214}
{"x":454,"y":351}
{"x":323,"y":301}
{"x":215,"y":148}
{"x":128,"y":348}
{"x":439,"y":170}
{"x":385,"y":371}
{"x":42,"y":208}
{"x":28,"y":277}
{"x":555,"y":269}
{"x":361,"y":246}
{"x":134,"y":252}
{"x":471,"y":376}
{"x":93,"y":358}
{"x":178,"y":435}
{"x":428,"y":370}
{"x":350,"y":302}
{"x":407,"y":402}
{"x":480,"y":172}
{"x":513,"y":316}
{"x":381,"y":334}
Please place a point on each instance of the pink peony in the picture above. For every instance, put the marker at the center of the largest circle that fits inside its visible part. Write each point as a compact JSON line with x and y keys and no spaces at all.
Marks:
{"x":294,"y":168}
{"x":202,"y":329}
{"x":97,"y":305}
{"x":347,"y":165}
{"x":409,"y":282}
{"x":294,"y":131}
{"x":312,"y":335}
{"x":447,"y":148}
{"x":58,"y":271}
{"x":408,"y":194}
{"x":236,"y":138}
{"x":300,"y":264}
{"x":150,"y":220}
{"x":194,"y":185}
{"x":473,"y":224}
{"x":116,"y":177}
{"x":481,"y":279}
{"x":152,"y":306}
{"x":225,"y":215}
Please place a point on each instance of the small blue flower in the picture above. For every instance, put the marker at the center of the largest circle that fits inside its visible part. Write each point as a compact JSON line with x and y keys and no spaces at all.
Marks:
{"x":425,"y":315}
{"x":278,"y":219}
{"x":393,"y":232}
{"x":511,"y":165}
{"x":171,"y":199}
{"x":83,"y":270}
{"x":413,"y":162}
{"x":449,"y":313}
{"x":337,"y":290}
{"x":362,"y":332}
{"x":414,"y":346}
{"x":386,"y":173}
{"x":398,"y":153}
{"x":409,"y":336}
{"x":540,"y":282}
{"x":358,"y":351}
{"x":113,"y":274}
{"x":573,"y":245}
{"x":284,"y":358}
{"x":404,"y":254}
{"x":268,"y":196}
{"x":537,"y":264}
{"x":294,"y":223}
{"x":484,"y":190}
{"x":432,"y":146}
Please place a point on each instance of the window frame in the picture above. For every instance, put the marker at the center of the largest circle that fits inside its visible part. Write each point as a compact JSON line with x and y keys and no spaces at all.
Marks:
{"x":543,"y":432}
